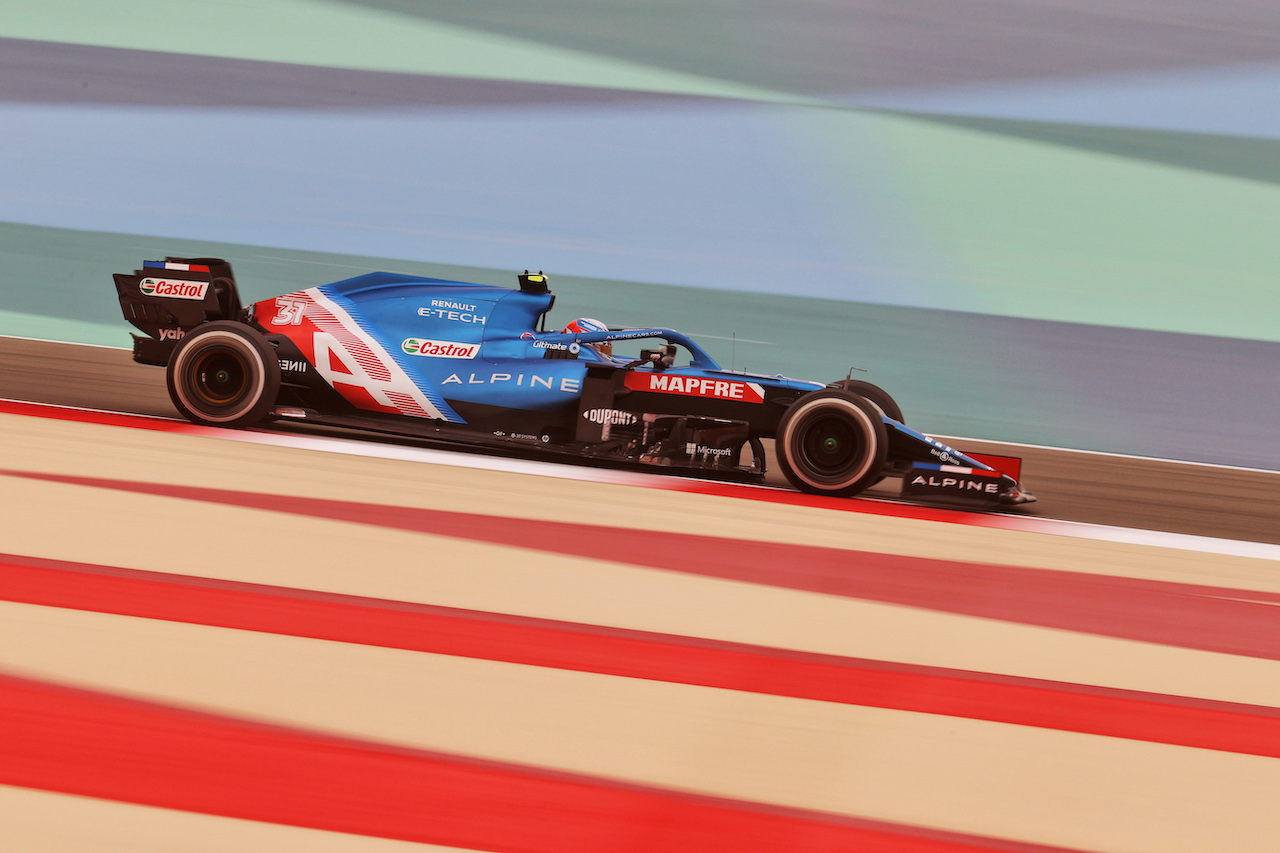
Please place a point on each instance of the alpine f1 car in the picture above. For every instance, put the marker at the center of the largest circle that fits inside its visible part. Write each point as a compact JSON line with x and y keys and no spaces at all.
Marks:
{"x":475,"y":364}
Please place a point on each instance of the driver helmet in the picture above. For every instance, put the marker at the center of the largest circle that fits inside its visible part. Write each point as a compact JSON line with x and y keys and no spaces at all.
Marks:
{"x":586,"y":324}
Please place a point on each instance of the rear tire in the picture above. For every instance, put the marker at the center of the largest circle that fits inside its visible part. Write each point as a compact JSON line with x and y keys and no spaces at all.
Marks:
{"x":832,"y":442}
{"x":223,"y":374}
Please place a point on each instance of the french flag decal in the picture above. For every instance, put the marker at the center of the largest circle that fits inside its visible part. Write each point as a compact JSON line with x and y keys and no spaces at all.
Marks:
{"x":165,"y":265}
{"x":957,"y":469}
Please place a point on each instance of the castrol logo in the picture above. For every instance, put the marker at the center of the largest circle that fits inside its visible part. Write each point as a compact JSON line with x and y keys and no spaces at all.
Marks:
{"x":439,"y":349}
{"x":173,"y":288}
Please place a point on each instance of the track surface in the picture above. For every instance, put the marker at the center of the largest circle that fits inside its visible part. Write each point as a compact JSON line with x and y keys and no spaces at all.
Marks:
{"x":1093,"y":488}
{"x":208,"y":644}
{"x":260,"y":646}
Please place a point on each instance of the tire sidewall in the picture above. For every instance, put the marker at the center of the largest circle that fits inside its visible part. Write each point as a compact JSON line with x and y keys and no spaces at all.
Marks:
{"x":258,"y":358}
{"x":877,"y":396}
{"x":862,"y":415}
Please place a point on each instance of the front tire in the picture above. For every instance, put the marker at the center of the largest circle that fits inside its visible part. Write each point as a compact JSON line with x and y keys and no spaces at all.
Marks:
{"x":223,"y":374}
{"x":832,"y":442}
{"x":878,"y":396}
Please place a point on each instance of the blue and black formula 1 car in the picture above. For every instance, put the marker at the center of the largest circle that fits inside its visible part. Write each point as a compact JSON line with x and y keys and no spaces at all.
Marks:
{"x":473,"y":364}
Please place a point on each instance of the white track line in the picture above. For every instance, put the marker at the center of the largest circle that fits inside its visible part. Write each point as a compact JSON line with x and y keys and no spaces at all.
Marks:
{"x":66,"y":343}
{"x":958,"y":440}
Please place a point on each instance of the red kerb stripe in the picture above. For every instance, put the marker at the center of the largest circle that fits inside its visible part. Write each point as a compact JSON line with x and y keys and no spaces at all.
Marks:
{"x":96,"y":745}
{"x":586,"y":648}
{"x":1231,"y":621}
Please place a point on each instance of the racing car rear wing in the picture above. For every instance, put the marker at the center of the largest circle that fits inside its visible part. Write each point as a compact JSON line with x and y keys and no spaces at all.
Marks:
{"x":165,"y":299}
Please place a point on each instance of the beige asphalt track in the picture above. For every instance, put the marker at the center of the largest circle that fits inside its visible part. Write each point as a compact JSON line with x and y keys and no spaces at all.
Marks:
{"x":1012,"y":782}
{"x":1069,"y":789}
{"x":44,"y":822}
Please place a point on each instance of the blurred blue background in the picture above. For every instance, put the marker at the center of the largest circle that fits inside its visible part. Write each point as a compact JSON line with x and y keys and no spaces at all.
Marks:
{"x":1050,"y":223}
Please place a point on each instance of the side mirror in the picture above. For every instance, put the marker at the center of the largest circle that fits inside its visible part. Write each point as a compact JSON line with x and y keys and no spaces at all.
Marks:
{"x":661,"y":359}
{"x":653,"y":357}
